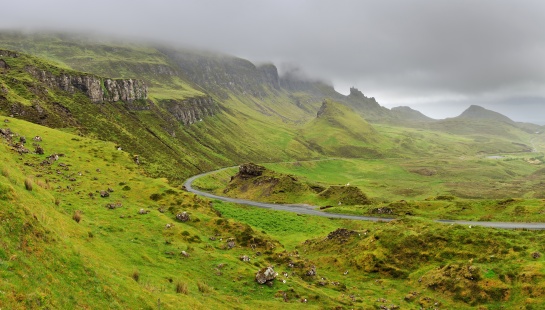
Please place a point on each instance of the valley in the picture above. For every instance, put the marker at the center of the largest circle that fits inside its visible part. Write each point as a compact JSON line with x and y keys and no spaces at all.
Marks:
{"x":97,"y":140}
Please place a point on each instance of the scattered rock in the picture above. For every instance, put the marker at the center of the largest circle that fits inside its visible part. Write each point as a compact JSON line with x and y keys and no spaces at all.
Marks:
{"x":244,"y":258}
{"x":382,"y":210}
{"x":266,"y":275}
{"x":37,"y":139}
{"x":104,"y":194}
{"x":167,"y":226}
{"x":183,"y":217}
{"x":231,"y":243}
{"x":110,"y":190}
{"x":184,"y":254}
{"x":6,"y":133}
{"x":142,"y":211}
{"x":212,"y":238}
{"x":311,"y":272}
{"x":22,"y":139}
{"x":136,"y":159}
{"x":114,"y":205}
{"x":20,"y":148}
{"x":536,"y":255}
{"x":39,"y":150}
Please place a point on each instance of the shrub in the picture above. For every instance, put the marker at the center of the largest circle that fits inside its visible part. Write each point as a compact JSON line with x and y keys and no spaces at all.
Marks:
{"x":77,"y":216}
{"x":181,"y":288}
{"x":136,"y":275}
{"x":28,"y":184}
{"x":126,"y":188}
{"x":155,"y":197}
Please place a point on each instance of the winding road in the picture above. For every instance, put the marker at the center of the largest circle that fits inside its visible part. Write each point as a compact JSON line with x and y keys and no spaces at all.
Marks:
{"x":311,"y":210}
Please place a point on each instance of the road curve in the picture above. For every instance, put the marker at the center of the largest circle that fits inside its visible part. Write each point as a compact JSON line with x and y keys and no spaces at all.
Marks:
{"x":310,"y":210}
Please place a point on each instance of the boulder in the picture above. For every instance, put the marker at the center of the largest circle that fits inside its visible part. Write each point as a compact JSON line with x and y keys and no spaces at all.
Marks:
{"x":230,"y":243}
{"x":244,"y":258}
{"x":183,"y":217}
{"x":311,"y":272}
{"x":265,"y":275}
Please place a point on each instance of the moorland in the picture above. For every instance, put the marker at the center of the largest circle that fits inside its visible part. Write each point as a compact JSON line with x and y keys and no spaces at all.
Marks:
{"x":97,"y":138}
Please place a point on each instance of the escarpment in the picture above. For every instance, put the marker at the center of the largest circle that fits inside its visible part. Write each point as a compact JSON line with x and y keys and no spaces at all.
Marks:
{"x":96,"y":88}
{"x":191,"y":110}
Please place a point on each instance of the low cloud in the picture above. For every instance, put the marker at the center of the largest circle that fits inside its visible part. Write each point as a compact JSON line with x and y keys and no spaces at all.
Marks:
{"x":398,"y":51}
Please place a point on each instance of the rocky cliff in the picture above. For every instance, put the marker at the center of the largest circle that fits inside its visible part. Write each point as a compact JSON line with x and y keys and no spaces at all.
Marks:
{"x":221,"y":74}
{"x":96,"y":88}
{"x":191,"y":110}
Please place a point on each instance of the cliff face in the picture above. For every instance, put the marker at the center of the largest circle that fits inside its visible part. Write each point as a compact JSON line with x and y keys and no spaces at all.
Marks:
{"x":97,"y":89}
{"x":191,"y":110}
{"x":220,"y":74}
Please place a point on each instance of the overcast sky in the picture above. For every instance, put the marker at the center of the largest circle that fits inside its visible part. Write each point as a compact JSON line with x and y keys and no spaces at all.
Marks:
{"x":438,"y":57}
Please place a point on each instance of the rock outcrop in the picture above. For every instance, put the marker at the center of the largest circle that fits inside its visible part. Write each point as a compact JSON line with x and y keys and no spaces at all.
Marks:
{"x":3,"y":66}
{"x":250,"y":170}
{"x":97,"y":89}
{"x":191,"y":110}
{"x":265,"y":275}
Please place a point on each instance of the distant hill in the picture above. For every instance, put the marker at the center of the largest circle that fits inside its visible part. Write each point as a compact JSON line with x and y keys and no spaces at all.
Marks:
{"x":408,"y":114}
{"x":338,"y":131}
{"x":476,"y":112}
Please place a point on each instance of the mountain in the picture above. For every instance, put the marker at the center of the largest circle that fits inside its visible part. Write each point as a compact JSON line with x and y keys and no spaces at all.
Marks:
{"x":409,"y":114}
{"x":368,"y":108}
{"x":475,"y":112}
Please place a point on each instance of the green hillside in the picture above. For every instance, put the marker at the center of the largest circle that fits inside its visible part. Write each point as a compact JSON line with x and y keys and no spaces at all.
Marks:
{"x":97,"y":135}
{"x":338,"y":131}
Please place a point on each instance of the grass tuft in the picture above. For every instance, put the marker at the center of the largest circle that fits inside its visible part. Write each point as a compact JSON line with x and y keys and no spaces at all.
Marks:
{"x":77,"y":216}
{"x":203,"y":287}
{"x":181,"y":288}
{"x":28,"y":184}
{"x":136,"y":275}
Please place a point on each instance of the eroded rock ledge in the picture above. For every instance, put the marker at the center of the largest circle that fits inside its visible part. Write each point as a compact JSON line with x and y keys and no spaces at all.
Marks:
{"x":191,"y":110}
{"x":96,"y":88}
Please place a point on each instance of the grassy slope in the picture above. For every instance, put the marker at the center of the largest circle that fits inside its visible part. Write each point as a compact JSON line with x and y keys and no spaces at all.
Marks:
{"x":90,"y":264}
{"x":338,"y":131}
{"x":103,"y":251}
{"x":246,"y":128}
